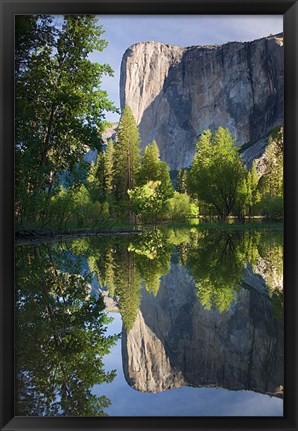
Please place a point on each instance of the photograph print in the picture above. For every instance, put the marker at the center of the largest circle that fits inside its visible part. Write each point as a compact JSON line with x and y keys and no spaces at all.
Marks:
{"x":149,"y":215}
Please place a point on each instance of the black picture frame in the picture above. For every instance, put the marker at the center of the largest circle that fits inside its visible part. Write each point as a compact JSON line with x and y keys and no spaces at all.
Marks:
{"x":289,"y":10}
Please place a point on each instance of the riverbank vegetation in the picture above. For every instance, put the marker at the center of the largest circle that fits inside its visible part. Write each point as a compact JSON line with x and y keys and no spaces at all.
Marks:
{"x":60,"y":116}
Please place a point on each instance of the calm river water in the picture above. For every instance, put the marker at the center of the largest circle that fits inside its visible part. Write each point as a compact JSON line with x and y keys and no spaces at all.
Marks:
{"x":171,"y":322}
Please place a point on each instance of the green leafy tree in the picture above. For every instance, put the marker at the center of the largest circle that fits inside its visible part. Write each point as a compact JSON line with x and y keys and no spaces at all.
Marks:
{"x":181,"y":207}
{"x":272,"y":180}
{"x":62,"y":208}
{"x":217,"y":173}
{"x":165,"y":188}
{"x":59,"y":105}
{"x":154,"y":186}
{"x":271,"y":183}
{"x":252,"y":192}
{"x":150,"y":201}
{"x":93,"y":183}
{"x":146,"y":201}
{"x":242,"y":199}
{"x":108,"y":171}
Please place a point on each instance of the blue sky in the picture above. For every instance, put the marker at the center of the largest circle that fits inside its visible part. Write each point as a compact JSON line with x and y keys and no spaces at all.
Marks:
{"x":122,"y":31}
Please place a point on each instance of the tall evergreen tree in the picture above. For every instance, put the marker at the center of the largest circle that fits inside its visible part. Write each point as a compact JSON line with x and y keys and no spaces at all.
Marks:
{"x":150,"y":165}
{"x":182,"y":180}
{"x":165,"y":188}
{"x":100,"y":175}
{"x":109,"y":160}
{"x":126,"y":155}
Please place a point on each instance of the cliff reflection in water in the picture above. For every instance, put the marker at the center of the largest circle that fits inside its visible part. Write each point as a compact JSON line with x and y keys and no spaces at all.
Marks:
{"x":176,"y":341}
{"x":213,"y":322}
{"x":198,"y":309}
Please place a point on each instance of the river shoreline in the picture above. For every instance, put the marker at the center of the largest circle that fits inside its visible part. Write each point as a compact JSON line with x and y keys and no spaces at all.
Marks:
{"x":27,"y":237}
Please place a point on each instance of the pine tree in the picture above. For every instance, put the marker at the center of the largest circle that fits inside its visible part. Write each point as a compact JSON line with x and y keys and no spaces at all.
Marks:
{"x":109,"y":160}
{"x":165,"y":188}
{"x":126,"y":155}
{"x":150,"y":165}
{"x":100,"y":175}
{"x":182,"y":180}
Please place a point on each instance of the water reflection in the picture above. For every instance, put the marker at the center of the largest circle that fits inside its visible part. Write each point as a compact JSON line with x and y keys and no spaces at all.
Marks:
{"x":60,"y":337}
{"x":198,"y":309}
{"x":176,"y":341}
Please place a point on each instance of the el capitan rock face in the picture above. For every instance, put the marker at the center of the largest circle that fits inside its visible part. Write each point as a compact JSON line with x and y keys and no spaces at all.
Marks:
{"x":176,"y":93}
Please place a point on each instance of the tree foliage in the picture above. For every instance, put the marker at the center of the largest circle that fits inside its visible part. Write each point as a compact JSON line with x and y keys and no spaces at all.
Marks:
{"x":270,"y":185}
{"x":180,"y":207}
{"x":154,"y":186}
{"x":272,"y":180}
{"x":59,"y":104}
{"x":217,"y":173}
{"x":100,"y":175}
{"x":150,"y":169}
{"x":252,"y":192}
{"x":126,"y":155}
{"x":182,"y":179}
{"x":146,"y":201}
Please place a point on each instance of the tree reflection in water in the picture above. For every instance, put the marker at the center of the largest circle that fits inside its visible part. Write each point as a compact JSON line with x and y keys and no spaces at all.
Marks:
{"x":60,"y":337}
{"x":217,"y":261}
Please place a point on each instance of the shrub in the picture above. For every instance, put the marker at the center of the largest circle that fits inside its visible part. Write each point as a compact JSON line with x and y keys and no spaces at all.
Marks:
{"x":271,"y":206}
{"x":181,"y":207}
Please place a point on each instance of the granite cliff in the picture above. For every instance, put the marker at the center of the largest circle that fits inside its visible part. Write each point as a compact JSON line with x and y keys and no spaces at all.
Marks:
{"x":176,"y":93}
